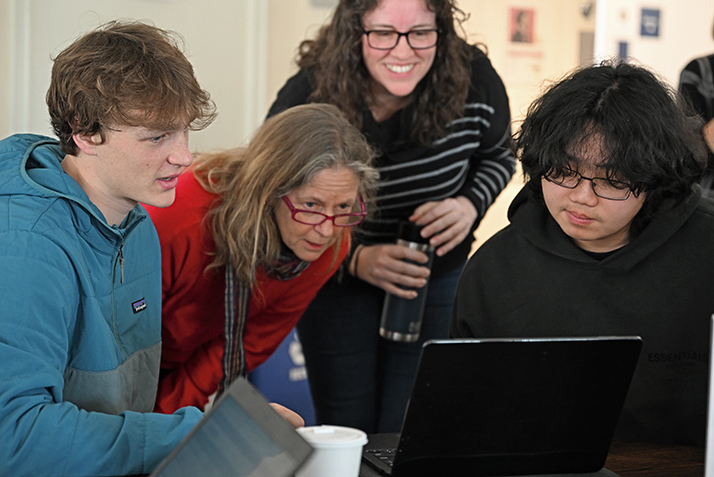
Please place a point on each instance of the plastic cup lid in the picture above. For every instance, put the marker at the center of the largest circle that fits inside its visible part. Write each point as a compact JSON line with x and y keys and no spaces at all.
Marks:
{"x":333,"y":436}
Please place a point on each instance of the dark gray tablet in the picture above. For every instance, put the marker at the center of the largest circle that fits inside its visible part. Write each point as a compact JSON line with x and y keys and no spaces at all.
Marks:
{"x":241,"y":436}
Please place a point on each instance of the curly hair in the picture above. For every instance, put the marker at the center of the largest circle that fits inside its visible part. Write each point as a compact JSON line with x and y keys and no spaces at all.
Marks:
{"x":335,"y":60}
{"x":287,"y":151}
{"x":124,"y":73}
{"x":646,"y":138}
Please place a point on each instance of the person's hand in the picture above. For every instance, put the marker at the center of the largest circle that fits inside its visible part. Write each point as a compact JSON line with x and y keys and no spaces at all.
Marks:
{"x":292,"y":417}
{"x":446,"y":222}
{"x":383,"y":266}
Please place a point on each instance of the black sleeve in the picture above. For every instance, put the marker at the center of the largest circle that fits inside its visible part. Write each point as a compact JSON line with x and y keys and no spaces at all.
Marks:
{"x":493,"y":163}
{"x":295,"y":91}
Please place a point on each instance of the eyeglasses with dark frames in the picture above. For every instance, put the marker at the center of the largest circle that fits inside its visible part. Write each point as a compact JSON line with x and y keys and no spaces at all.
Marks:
{"x":388,"y":39}
{"x":309,"y":217}
{"x":602,"y":187}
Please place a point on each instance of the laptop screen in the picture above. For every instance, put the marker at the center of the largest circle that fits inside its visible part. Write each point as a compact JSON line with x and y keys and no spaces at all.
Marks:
{"x":242,"y":436}
{"x":515,"y":406}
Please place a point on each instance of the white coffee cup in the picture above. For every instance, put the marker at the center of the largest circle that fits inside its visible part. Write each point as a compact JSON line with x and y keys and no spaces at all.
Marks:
{"x":338,"y":451}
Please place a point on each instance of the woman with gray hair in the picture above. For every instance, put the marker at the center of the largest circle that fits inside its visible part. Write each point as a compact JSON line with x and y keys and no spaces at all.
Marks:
{"x":253,"y":235}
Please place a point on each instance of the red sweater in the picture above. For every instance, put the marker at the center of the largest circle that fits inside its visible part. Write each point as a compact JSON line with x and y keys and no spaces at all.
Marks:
{"x":193,"y":315}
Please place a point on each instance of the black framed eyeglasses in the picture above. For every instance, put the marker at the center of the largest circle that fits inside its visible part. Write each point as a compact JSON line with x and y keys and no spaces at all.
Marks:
{"x":388,"y":39}
{"x":602,"y":187}
{"x":309,"y":217}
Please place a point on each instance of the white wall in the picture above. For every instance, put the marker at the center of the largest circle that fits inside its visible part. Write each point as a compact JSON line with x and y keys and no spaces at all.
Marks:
{"x":5,"y":61}
{"x":685,"y":32}
{"x":223,"y":39}
{"x":289,"y":22}
{"x":524,"y":67}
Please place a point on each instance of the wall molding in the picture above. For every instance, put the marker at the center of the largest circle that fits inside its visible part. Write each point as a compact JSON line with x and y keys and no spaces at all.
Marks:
{"x":256,"y":65}
{"x":20,"y":65}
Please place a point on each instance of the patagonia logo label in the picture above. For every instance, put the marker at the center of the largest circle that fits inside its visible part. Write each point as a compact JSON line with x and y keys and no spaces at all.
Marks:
{"x":139,"y":305}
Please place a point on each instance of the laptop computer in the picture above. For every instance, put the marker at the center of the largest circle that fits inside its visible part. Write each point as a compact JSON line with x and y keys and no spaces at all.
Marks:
{"x":241,"y":436}
{"x":510,"y":407}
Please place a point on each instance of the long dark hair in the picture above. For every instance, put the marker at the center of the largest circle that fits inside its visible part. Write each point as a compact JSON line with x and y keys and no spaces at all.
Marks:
{"x":335,"y":59}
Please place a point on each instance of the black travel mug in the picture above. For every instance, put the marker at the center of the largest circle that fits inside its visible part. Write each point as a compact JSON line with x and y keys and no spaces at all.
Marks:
{"x":401,"y":318}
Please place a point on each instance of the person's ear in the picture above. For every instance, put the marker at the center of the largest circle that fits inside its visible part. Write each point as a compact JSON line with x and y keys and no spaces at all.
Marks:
{"x":273,"y":203}
{"x":87,"y":143}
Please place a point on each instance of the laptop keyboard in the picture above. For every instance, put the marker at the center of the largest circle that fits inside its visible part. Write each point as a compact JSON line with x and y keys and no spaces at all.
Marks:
{"x":381,"y":459}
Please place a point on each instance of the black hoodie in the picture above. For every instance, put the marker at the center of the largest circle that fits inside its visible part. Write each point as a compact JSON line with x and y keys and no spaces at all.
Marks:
{"x":531,"y":280}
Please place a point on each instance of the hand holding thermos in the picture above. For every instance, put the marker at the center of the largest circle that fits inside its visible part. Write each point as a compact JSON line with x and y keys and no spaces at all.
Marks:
{"x":401,"y":317}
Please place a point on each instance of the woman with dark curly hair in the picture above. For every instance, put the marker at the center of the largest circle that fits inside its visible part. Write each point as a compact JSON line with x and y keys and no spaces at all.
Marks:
{"x":437,"y":113}
{"x":609,"y":237}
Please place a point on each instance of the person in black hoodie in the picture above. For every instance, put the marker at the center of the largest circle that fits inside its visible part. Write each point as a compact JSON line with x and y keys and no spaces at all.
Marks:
{"x":610,"y":236}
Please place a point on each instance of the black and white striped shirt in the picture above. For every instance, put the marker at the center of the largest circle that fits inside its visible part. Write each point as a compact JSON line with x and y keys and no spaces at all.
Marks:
{"x":474,"y":159}
{"x":696,"y":85}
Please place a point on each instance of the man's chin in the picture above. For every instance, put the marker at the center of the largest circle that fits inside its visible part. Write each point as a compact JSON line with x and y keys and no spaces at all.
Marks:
{"x":162,"y":200}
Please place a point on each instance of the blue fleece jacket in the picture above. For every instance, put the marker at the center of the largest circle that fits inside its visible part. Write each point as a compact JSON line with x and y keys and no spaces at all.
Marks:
{"x":80,"y":332}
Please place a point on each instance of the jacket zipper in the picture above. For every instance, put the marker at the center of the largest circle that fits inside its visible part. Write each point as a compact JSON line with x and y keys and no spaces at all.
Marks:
{"x":121,"y":263}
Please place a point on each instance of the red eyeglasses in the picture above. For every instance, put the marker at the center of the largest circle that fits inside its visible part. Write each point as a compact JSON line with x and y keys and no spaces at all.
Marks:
{"x":308,"y":217}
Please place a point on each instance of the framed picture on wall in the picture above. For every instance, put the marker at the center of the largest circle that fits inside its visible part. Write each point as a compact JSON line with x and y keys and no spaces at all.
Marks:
{"x":650,"y":22}
{"x":522,"y":25}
